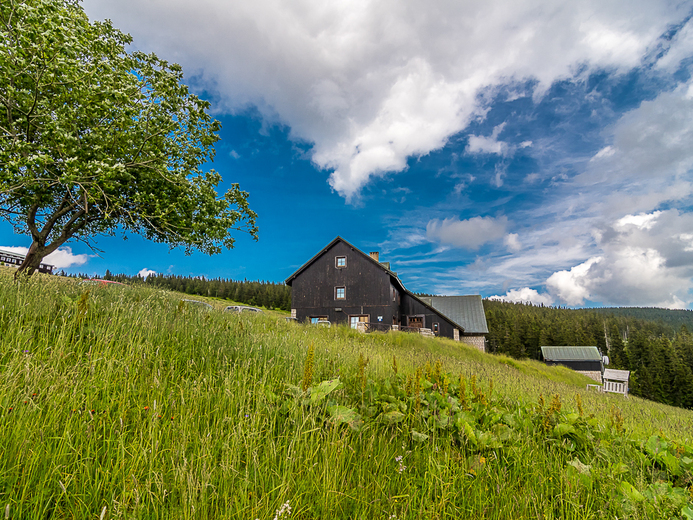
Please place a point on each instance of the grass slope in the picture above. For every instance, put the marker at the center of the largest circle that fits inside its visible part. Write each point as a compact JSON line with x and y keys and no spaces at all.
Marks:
{"x":125,"y":403}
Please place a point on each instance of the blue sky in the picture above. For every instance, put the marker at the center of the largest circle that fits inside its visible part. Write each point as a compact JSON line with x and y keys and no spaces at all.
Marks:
{"x":530,"y":151}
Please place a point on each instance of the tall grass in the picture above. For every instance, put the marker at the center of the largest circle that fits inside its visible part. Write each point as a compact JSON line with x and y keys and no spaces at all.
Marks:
{"x":126,"y":403}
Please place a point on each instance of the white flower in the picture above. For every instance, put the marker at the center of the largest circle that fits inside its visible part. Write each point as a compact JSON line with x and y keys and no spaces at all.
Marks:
{"x":286,"y":508}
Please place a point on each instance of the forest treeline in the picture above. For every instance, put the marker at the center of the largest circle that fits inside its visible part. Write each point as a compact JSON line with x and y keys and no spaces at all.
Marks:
{"x":658,"y":352}
{"x":262,"y":294}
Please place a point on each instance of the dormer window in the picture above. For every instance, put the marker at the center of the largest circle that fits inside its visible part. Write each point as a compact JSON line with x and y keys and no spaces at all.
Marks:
{"x":340,"y":262}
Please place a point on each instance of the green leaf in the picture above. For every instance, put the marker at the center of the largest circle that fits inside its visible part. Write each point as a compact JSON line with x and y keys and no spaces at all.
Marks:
{"x":572,"y":418}
{"x":671,"y":463}
{"x":469,"y":433}
{"x":392,"y":417}
{"x":419,"y":437}
{"x":631,"y":493}
{"x":687,"y":513}
{"x":318,"y":393}
{"x":344,"y":414}
{"x":442,"y":420}
{"x":563,"y":429}
{"x":580,"y":467}
{"x":390,"y":407}
{"x":654,"y":446}
{"x":618,"y":468}
{"x":502,"y":431}
{"x":341,"y":413}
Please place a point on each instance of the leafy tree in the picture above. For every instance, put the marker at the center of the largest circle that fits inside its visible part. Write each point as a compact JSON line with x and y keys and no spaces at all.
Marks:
{"x":95,"y":139}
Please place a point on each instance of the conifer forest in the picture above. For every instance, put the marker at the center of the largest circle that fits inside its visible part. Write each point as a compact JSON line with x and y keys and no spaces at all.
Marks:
{"x":655,"y":345}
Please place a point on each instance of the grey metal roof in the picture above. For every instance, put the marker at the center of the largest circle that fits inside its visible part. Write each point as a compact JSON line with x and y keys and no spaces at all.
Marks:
{"x":468,"y":311}
{"x":571,"y":354}
{"x":616,"y":375}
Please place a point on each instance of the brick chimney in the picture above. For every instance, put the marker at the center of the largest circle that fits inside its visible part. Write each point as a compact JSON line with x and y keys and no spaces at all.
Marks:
{"x":375,"y":255}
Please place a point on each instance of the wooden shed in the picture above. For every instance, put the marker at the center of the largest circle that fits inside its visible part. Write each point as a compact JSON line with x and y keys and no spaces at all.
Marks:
{"x":616,"y":381}
{"x":586,"y":360}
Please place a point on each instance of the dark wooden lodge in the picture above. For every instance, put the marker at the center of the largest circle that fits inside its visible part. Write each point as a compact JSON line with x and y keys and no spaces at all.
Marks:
{"x":343,"y":284}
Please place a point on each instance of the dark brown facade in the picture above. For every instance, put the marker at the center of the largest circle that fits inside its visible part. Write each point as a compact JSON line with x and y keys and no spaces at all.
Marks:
{"x":342,"y":284}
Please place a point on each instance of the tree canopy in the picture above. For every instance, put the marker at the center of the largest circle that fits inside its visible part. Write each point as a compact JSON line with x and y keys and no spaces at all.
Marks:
{"x":97,"y":140}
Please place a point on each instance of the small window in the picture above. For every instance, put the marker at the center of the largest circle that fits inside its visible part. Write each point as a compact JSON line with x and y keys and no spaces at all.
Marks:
{"x":340,"y":261}
{"x":435,"y":329}
{"x":340,"y":293}
{"x":354,"y":320}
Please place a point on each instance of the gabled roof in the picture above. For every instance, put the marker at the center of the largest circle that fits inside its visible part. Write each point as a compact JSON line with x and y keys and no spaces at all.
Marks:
{"x":616,"y":375}
{"x":385,"y":266}
{"x":571,"y":354}
{"x":468,"y":311}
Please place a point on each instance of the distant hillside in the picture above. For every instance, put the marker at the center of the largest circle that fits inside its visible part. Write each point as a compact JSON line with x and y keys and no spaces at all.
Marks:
{"x":266,"y":294}
{"x":652,"y":344}
{"x":672,"y":317}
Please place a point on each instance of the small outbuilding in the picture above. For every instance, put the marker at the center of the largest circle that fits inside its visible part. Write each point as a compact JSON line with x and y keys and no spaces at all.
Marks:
{"x":16,"y":259}
{"x":586,"y":360}
{"x":616,"y":381}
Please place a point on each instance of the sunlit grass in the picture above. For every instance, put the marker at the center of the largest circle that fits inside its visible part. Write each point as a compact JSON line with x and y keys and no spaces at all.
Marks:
{"x":124,"y":398}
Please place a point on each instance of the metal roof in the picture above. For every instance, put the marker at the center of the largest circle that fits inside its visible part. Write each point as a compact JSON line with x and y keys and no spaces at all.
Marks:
{"x":616,"y":375}
{"x":468,"y":311}
{"x":11,"y":254}
{"x":571,"y":354}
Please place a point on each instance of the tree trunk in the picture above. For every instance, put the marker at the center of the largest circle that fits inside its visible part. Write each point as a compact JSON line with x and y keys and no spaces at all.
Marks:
{"x":32,"y":261}
{"x":37,"y":252}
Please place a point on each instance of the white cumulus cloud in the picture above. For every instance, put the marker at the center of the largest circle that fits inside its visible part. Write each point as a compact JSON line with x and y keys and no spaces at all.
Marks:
{"x":469,"y":234}
{"x":371,"y":83}
{"x":512,"y":242}
{"x":491,"y":144}
{"x":144,"y":272}
{"x":646,"y":260}
{"x":525,"y":295}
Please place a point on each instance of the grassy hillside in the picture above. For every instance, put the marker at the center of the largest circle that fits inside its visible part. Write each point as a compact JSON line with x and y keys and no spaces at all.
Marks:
{"x":125,"y":403}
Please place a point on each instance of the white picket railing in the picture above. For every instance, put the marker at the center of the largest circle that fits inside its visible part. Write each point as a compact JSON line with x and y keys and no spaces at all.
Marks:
{"x":612,"y":386}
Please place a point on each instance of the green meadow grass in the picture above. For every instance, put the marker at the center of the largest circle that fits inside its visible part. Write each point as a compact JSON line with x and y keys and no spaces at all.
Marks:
{"x":120,"y":402}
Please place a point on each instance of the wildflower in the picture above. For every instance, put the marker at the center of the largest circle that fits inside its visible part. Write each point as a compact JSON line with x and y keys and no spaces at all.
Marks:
{"x":146,"y":408}
{"x":482,"y":460}
{"x":286,"y":508}
{"x":401,"y":467}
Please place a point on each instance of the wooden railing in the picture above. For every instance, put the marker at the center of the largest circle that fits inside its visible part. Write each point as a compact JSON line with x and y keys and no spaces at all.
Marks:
{"x":384,"y":327}
{"x":614,"y":387}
